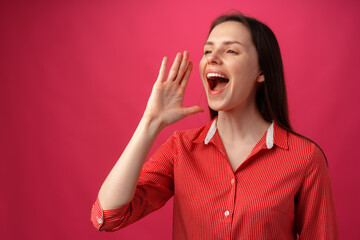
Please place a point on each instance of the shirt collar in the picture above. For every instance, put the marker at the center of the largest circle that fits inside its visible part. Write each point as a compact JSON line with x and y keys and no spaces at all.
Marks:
{"x":211,"y":132}
{"x":274,"y":135}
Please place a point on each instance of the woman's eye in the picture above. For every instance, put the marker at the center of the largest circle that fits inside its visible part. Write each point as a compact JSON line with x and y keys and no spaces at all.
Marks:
{"x":207,"y":52}
{"x":231,"y":51}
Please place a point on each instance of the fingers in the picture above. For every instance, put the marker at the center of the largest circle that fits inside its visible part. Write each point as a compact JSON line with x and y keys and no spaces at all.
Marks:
{"x":180,"y":70}
{"x":183,"y":67}
{"x":179,"y":67}
{"x":192,"y":110}
{"x":175,"y":67}
{"x":185,"y":80}
{"x":162,"y":70}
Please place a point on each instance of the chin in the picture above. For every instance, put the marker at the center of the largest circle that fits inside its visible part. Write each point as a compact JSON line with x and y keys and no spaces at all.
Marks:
{"x":215,"y":107}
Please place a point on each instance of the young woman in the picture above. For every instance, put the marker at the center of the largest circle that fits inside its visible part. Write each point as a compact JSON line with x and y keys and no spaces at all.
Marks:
{"x":246,"y":174}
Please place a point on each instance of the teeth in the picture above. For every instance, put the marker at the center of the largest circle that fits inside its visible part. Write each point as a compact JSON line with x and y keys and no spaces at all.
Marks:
{"x":209,"y":75}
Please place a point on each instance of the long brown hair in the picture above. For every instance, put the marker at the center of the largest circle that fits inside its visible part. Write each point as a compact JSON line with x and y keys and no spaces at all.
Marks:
{"x":271,"y":98}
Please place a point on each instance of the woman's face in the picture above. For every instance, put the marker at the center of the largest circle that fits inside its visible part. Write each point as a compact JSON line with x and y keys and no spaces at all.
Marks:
{"x":229,"y":68}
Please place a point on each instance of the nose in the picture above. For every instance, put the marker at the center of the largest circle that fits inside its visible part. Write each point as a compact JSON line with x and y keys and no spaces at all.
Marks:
{"x":214,"y":58}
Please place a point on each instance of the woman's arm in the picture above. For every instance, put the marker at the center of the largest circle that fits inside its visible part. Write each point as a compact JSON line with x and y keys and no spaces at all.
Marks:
{"x":163,"y":108}
{"x":315,"y":210}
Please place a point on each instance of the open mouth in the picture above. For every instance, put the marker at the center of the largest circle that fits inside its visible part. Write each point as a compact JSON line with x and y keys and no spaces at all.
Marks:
{"x":217,"y":81}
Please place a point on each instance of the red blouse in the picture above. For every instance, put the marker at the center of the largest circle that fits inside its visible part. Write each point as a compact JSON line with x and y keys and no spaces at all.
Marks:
{"x":282,"y":189}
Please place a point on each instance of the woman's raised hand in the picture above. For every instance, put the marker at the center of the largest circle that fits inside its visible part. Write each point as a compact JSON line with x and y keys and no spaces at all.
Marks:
{"x":165,"y":104}
{"x":164,"y":107}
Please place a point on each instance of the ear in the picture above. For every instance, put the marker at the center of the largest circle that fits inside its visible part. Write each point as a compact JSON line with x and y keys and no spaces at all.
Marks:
{"x":260,"y":78}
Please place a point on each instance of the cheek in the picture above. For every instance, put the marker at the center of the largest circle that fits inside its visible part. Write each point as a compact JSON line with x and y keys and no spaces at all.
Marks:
{"x":248,"y":70}
{"x":253,"y":65}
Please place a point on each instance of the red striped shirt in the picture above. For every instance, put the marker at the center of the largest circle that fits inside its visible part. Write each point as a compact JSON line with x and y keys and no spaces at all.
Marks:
{"x":282,"y":190}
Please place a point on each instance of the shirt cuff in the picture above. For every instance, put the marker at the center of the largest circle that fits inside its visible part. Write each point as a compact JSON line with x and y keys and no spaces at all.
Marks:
{"x":107,"y":220}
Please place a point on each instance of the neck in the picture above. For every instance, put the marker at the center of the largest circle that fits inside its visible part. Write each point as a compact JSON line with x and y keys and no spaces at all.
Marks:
{"x":242,"y":125}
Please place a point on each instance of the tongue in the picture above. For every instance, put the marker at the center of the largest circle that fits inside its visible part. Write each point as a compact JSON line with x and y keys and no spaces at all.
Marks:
{"x":220,"y":85}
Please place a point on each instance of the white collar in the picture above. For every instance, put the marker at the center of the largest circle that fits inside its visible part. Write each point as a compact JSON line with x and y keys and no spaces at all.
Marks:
{"x":269,"y":134}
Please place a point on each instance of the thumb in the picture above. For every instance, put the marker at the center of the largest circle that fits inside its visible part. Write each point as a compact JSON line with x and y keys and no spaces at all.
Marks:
{"x":192,"y":110}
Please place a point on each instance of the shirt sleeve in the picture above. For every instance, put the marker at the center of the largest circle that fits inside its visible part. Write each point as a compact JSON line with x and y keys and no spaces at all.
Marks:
{"x":315,"y":208}
{"x":155,"y":187}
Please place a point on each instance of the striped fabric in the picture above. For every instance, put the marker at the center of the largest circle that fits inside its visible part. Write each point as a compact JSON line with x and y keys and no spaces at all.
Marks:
{"x":282,"y":189}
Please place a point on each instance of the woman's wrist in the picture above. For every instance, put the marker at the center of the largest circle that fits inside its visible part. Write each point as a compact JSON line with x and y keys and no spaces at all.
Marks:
{"x":152,"y":124}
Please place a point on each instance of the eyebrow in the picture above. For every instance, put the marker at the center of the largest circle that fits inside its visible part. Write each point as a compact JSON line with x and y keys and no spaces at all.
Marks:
{"x":226,"y":43}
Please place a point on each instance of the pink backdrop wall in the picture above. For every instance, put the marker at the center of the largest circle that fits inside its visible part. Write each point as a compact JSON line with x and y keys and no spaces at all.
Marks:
{"x":75,"y":78}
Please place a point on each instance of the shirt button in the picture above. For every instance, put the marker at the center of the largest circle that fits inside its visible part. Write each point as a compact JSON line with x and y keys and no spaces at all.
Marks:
{"x":226,"y":213}
{"x":99,"y":220}
{"x":232,"y":180}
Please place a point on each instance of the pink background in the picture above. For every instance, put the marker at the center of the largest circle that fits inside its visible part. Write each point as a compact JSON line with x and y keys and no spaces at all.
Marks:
{"x":75,"y":78}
